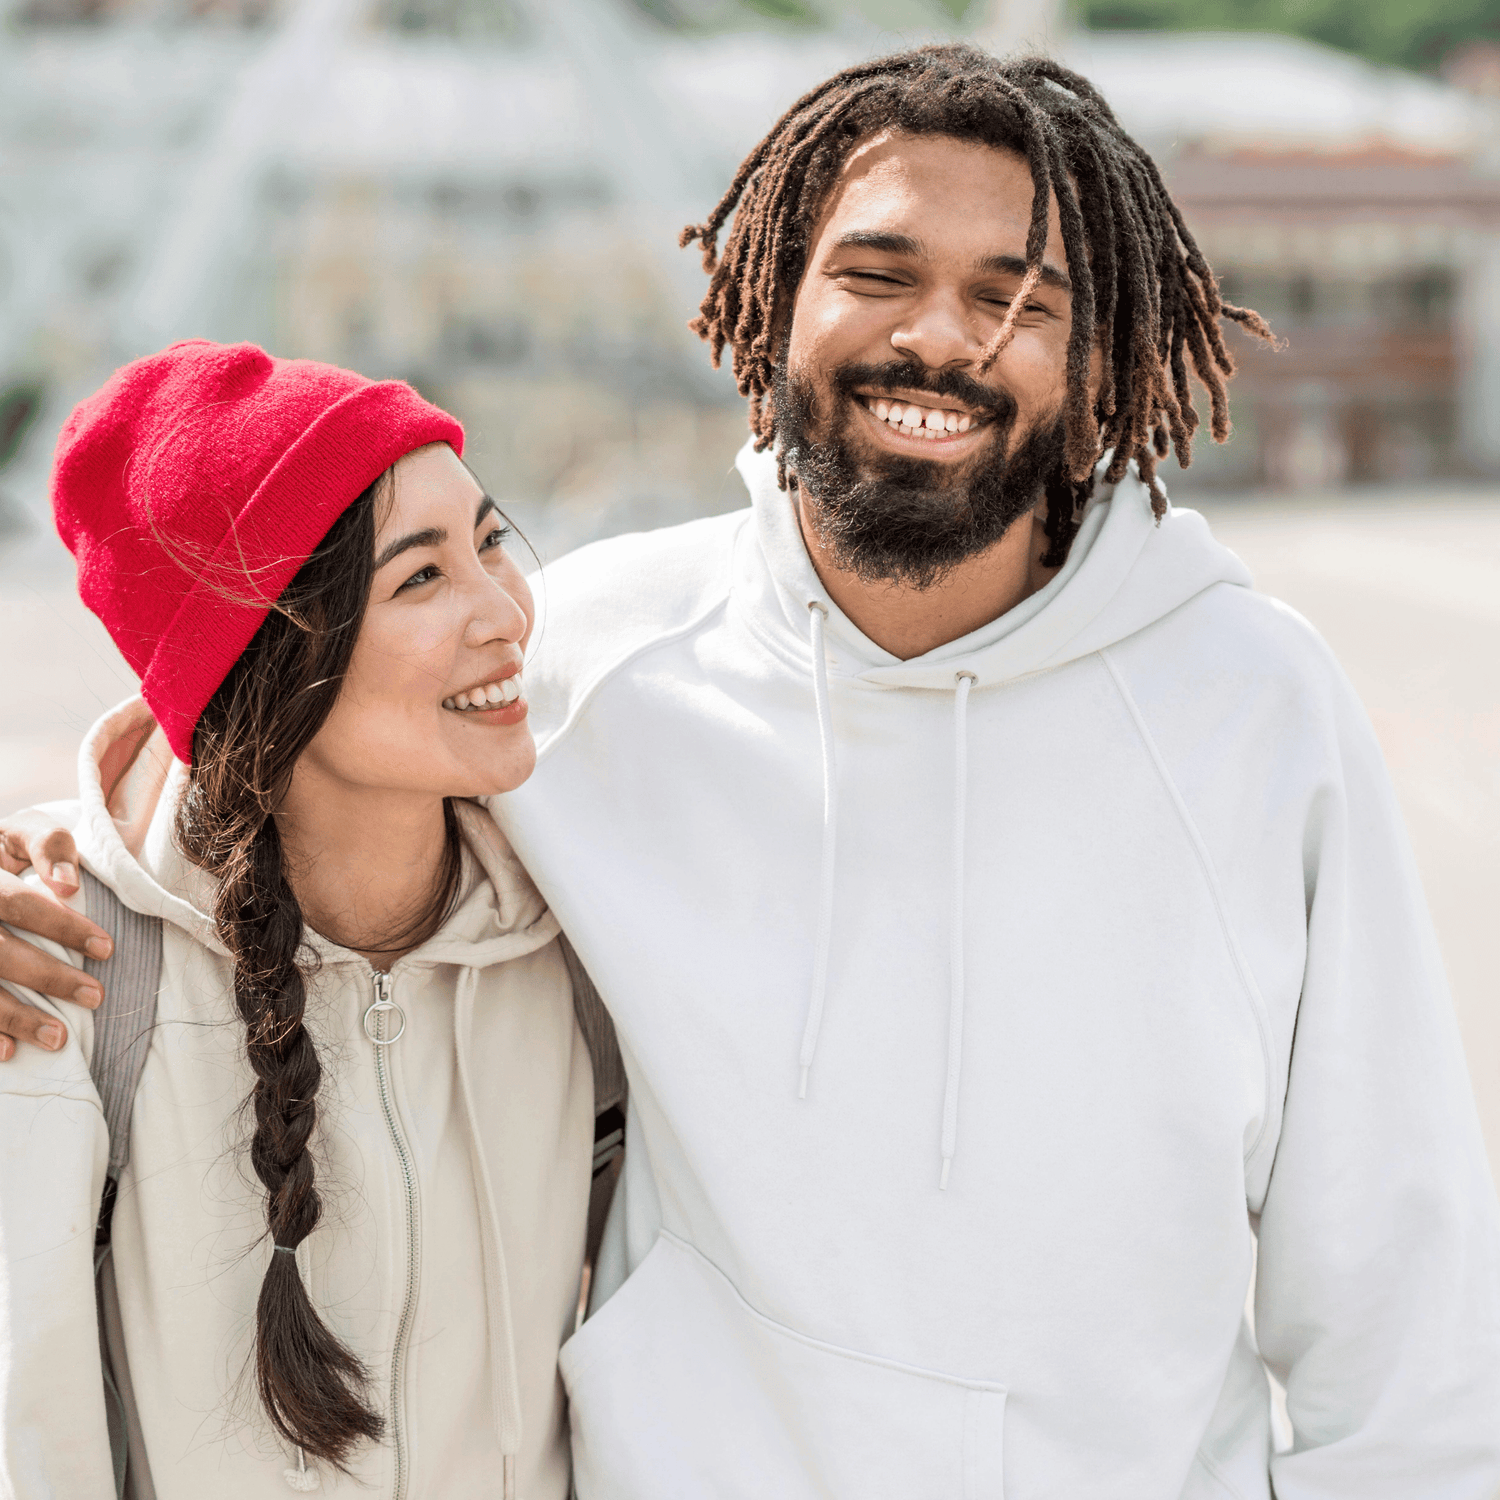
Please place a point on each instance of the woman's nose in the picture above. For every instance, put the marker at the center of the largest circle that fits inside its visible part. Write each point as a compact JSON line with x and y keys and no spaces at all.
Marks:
{"x":497,"y":616}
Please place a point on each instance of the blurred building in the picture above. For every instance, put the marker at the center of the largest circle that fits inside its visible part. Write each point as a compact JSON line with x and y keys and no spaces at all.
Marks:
{"x":483,"y":196}
{"x":1358,"y":209}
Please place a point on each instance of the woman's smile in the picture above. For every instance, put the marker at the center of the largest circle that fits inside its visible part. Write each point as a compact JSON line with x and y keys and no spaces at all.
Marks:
{"x":501,"y":700}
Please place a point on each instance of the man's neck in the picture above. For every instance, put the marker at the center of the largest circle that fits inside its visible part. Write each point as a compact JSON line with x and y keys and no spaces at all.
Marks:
{"x":908,"y":621}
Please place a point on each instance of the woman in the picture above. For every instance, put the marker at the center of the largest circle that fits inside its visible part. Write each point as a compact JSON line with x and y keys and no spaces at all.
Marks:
{"x":342,"y":1252}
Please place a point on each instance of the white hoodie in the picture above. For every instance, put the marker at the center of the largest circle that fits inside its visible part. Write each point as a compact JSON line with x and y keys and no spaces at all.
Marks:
{"x":453,"y":1168}
{"x":1104,"y":916}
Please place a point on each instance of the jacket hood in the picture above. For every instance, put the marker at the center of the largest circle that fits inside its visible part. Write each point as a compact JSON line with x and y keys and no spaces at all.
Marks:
{"x":1124,"y":572}
{"x":129,"y":784}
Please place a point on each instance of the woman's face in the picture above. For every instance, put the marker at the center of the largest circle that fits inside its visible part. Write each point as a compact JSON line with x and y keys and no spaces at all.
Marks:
{"x":433,"y":700}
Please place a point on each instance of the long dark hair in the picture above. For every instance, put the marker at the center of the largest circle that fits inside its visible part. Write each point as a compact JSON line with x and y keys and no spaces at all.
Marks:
{"x":263,"y":716}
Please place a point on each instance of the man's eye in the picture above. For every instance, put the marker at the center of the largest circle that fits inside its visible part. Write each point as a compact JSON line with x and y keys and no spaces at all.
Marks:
{"x":494,"y":538}
{"x":421,"y":576}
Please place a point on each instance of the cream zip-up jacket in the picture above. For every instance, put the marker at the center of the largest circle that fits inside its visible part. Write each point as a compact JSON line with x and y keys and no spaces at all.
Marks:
{"x":453,"y":1166}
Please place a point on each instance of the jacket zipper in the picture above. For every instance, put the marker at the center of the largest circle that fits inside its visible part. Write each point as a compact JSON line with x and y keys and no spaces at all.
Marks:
{"x":382,"y":1013}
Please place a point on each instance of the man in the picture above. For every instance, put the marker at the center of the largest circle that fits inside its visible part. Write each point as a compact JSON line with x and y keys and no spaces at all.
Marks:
{"x":1004,"y":911}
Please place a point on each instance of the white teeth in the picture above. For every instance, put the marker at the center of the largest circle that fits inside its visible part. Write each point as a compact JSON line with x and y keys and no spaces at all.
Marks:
{"x":487,"y":695}
{"x":918,"y":421}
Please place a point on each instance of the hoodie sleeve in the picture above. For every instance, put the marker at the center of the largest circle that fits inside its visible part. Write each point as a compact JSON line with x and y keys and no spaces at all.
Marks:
{"x":54,"y":1147}
{"x":1377,"y":1301}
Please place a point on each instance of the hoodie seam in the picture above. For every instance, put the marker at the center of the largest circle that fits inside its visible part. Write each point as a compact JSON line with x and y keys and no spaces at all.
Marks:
{"x":1211,"y":880}
{"x":827,"y":1346}
{"x":586,"y":696}
{"x":1218,"y":1476}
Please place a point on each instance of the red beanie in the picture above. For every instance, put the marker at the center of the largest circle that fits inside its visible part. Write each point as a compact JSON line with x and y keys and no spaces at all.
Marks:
{"x":196,"y":483}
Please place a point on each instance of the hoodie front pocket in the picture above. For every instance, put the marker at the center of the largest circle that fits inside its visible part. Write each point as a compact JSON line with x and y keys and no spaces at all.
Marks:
{"x":680,"y":1389}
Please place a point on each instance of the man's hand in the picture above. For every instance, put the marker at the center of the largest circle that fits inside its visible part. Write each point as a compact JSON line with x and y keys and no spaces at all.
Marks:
{"x":29,"y":839}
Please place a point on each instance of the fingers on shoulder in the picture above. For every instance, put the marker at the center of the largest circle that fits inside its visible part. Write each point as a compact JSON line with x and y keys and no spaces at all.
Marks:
{"x":33,"y":838}
{"x":20,"y":1021}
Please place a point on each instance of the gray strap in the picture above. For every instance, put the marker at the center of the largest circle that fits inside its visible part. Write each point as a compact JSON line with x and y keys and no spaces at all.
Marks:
{"x":123,"y":1024}
{"x":598,"y":1031}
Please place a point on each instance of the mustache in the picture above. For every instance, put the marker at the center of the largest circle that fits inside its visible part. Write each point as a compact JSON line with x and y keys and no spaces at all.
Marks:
{"x":901,"y":374}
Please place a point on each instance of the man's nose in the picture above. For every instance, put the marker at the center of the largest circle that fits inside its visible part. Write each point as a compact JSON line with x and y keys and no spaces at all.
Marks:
{"x":939,"y":334}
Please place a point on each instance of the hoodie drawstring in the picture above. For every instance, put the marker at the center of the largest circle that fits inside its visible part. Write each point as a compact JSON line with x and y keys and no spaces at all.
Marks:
{"x":302,"y":1479}
{"x":505,"y":1385}
{"x":817,"y":615}
{"x":962,"y":684}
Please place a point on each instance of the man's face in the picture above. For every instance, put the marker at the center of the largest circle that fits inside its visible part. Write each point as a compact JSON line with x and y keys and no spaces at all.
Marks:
{"x":907,"y":458}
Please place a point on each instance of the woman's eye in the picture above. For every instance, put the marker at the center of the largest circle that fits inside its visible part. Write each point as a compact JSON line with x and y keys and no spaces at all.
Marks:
{"x":495,"y":538}
{"x":421,"y":576}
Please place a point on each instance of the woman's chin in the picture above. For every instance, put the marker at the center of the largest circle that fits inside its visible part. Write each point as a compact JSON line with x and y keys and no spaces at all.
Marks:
{"x":503,"y":773}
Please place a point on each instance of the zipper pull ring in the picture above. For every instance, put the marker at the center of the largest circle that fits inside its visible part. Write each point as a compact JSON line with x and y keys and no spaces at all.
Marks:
{"x":379,"y":1009}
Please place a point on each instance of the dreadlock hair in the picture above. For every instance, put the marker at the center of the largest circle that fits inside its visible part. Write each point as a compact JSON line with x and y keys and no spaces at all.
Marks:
{"x":1142,"y":290}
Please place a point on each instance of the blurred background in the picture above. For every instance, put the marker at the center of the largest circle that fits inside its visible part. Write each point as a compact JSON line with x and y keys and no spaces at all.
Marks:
{"x":483,"y":197}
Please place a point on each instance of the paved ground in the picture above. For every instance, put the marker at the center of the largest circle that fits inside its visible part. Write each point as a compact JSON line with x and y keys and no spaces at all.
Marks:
{"x":1406,"y":587}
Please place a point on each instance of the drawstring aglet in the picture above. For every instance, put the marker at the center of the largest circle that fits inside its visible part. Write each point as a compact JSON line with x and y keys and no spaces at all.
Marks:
{"x":802,"y":1082}
{"x":302,"y":1479}
{"x":943,"y":1180}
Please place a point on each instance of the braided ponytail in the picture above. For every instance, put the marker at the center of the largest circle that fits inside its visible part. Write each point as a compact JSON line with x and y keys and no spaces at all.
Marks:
{"x":275,"y":699}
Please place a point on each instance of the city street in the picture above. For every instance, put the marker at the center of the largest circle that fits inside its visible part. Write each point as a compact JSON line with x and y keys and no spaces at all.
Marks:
{"x":1405,"y":588}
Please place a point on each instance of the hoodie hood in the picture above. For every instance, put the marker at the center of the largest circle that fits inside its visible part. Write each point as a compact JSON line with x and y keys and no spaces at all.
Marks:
{"x":129,"y":785}
{"x":1124,"y":572}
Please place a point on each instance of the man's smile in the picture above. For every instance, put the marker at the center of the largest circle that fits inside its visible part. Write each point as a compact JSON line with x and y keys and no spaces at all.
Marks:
{"x":933,"y":426}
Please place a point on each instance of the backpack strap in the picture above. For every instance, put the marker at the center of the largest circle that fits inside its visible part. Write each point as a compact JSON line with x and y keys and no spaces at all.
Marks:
{"x":123,"y":1025}
{"x":610,"y":1093}
{"x":131,"y":977}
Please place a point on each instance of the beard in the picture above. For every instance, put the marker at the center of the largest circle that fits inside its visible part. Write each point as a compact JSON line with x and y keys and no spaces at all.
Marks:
{"x":910,"y":521}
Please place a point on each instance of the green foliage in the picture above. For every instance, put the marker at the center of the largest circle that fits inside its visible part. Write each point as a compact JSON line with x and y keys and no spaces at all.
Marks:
{"x":1406,"y":33}
{"x":707,"y":16}
{"x":784,"y":10}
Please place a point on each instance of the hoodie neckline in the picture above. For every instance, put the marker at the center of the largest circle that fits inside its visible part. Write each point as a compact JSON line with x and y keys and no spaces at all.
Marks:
{"x":1088,"y":604}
